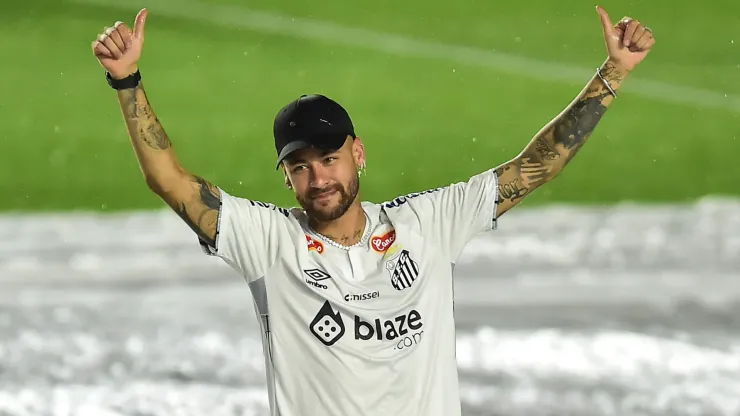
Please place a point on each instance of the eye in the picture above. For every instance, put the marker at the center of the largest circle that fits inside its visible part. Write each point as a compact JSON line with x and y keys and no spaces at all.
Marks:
{"x":330,"y":159}
{"x":298,"y":168}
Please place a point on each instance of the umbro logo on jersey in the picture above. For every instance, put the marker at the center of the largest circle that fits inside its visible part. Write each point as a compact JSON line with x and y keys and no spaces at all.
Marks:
{"x":403,"y":269}
{"x":327,"y":326}
{"x":316,"y":276}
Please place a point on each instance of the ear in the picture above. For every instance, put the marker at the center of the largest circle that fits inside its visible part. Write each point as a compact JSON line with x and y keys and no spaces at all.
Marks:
{"x":286,"y":178}
{"x":358,"y":151}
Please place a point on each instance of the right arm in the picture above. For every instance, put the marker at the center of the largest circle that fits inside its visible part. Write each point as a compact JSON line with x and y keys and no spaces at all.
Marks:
{"x":193,"y":198}
{"x":243,"y":232}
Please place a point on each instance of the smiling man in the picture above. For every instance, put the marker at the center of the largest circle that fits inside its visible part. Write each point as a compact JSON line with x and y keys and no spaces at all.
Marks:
{"x":355,"y":298}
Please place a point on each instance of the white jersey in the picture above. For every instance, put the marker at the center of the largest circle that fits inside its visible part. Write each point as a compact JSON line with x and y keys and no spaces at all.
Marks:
{"x":368,"y":330}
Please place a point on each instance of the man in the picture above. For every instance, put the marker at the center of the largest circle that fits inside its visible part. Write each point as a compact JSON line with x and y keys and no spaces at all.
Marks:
{"x":355,"y":298}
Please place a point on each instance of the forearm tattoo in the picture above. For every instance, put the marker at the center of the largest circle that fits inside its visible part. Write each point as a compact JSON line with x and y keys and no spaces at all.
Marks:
{"x":141,"y":119}
{"x":193,"y":198}
{"x":560,"y":140}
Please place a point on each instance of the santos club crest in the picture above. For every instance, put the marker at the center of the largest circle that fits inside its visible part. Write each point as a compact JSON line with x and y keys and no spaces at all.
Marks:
{"x":403,"y":269}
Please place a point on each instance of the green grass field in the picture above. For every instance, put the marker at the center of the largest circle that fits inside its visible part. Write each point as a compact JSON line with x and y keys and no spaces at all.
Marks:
{"x":429,"y":116}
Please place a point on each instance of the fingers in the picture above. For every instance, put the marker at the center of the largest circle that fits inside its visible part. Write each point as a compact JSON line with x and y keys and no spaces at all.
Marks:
{"x":100,"y":50}
{"x":110,"y":44}
{"x":605,"y":22}
{"x":637,"y":37}
{"x":645,"y":42}
{"x":126,"y":33}
{"x":639,"y":32}
{"x":629,"y":32}
{"x":113,"y":42}
{"x":140,"y":23}
{"x":114,"y":38}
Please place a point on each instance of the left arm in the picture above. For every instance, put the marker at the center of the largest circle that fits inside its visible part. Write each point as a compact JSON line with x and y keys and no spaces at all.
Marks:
{"x":559,"y":141}
{"x":628,"y":43}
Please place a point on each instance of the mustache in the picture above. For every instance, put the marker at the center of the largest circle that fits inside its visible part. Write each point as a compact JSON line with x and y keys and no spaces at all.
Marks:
{"x":314,"y":192}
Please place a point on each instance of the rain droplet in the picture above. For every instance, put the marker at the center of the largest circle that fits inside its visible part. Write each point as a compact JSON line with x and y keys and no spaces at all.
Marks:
{"x":240,"y":182}
{"x":104,"y":206}
{"x":453,"y":69}
{"x":472,"y":159}
{"x":56,"y":129}
{"x":518,"y":39}
{"x":475,"y":139}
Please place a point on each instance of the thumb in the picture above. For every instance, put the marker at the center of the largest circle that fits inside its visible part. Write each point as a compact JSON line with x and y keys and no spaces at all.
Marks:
{"x":609,"y":33}
{"x":140,"y":23}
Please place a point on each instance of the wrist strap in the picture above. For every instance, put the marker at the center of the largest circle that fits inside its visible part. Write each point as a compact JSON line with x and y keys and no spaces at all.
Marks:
{"x":131,"y":81}
{"x":606,"y":83}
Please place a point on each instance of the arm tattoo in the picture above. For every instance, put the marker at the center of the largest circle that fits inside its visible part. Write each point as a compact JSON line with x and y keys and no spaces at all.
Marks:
{"x":559,"y":141}
{"x":573,"y":127}
{"x":193,"y":198}
{"x":201,"y":212}
{"x":141,"y":119}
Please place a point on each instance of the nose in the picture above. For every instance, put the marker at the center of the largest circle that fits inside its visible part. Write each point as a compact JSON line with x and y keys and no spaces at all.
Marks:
{"x":319,"y":176}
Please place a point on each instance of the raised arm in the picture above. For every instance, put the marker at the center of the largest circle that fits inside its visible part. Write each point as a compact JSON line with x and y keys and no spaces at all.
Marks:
{"x":555,"y":145}
{"x":193,"y":198}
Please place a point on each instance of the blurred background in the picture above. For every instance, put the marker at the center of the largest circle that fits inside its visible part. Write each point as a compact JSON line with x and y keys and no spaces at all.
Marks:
{"x":614,"y":290}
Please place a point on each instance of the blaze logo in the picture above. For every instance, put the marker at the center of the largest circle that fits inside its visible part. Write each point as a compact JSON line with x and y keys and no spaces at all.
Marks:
{"x":400,"y":332}
{"x":383,"y":242}
{"x":327,"y":326}
{"x":314,"y":244}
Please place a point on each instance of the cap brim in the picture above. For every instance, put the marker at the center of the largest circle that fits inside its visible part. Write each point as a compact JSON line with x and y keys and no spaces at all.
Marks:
{"x":332,"y":143}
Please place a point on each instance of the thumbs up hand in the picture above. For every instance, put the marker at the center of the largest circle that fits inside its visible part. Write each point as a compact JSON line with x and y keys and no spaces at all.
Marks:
{"x":118,"y":48}
{"x":628,"y":42}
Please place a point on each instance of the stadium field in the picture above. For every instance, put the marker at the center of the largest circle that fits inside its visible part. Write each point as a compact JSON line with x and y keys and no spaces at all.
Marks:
{"x":438,"y":92}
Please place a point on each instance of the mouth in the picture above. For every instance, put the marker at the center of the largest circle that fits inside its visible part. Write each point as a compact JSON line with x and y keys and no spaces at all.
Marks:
{"x":324,"y":195}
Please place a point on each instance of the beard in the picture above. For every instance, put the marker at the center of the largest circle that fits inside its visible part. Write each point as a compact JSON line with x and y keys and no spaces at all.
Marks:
{"x":321,"y":213}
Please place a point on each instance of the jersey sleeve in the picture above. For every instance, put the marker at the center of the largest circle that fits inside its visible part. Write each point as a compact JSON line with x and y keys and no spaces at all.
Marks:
{"x":452,"y":215}
{"x":247,"y":235}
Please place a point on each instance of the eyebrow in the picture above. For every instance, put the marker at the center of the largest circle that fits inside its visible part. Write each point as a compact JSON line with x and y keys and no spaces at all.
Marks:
{"x":324,"y":152}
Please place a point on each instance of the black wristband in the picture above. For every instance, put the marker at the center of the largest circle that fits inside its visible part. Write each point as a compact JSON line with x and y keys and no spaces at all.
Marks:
{"x":131,"y":81}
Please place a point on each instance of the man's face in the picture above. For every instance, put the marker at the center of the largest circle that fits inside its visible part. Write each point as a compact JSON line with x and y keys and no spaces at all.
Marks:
{"x":326,"y":183}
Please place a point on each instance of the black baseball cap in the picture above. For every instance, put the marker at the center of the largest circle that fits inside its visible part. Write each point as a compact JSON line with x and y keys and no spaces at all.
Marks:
{"x":311,"y":121}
